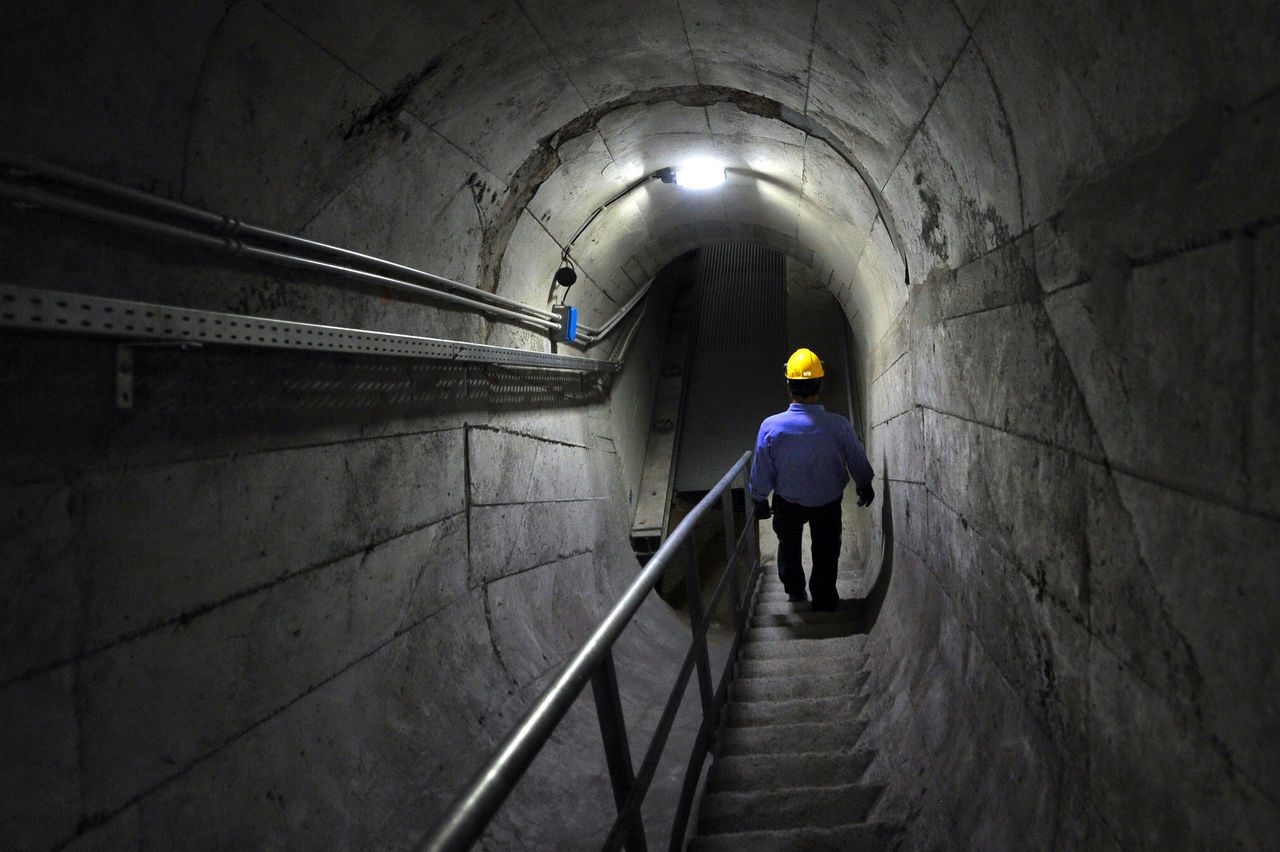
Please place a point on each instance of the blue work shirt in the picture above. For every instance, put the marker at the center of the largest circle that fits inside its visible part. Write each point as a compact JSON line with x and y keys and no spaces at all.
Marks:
{"x":806,"y":454}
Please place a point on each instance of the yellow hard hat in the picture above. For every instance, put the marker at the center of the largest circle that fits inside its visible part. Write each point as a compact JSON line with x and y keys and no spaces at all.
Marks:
{"x":804,"y":364}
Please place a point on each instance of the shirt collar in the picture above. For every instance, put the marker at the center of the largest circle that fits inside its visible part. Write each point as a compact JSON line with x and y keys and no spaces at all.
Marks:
{"x":800,"y":406}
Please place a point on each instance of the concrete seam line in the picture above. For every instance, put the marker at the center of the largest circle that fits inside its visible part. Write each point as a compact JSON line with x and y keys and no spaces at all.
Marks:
{"x":554,"y":56}
{"x":814,"y":130}
{"x":903,"y":413}
{"x":1008,"y":126}
{"x":493,"y":639}
{"x":905,"y":352}
{"x":86,"y":476}
{"x":813,"y":39}
{"x":500,"y":505}
{"x":992,"y":660}
{"x":89,"y":822}
{"x":488,"y":427}
{"x":559,"y":558}
{"x":1011,"y":561}
{"x":466,"y":490}
{"x":187,"y":616}
{"x":928,"y":109}
{"x":235,"y":455}
{"x":1117,"y":467}
{"x":1193,"y":720}
{"x":693,"y":59}
{"x":214,"y":35}
{"x":1023,"y":436}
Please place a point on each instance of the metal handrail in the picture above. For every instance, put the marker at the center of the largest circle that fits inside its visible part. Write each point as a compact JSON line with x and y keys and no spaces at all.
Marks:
{"x":472,"y":810}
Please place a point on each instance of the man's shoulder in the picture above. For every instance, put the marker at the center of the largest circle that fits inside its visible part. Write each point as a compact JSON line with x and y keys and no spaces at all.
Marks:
{"x":836,"y":421}
{"x":774,"y":419}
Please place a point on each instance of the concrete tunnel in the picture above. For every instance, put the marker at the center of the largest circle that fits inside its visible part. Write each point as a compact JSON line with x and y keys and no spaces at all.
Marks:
{"x":294,"y":599}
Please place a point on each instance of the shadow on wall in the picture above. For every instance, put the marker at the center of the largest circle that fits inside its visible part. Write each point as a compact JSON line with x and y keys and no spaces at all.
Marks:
{"x":175,"y":382}
{"x":60,"y":393}
{"x":871,"y":605}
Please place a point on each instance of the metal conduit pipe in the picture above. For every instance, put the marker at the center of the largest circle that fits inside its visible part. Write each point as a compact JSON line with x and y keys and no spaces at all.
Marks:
{"x":620,"y":353}
{"x":598,"y":333}
{"x":228,"y":226}
{"x":621,"y":314}
{"x":228,"y":245}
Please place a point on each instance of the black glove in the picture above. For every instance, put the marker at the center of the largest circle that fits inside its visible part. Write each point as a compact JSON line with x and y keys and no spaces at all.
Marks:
{"x":866,"y":494}
{"x":763,"y":512}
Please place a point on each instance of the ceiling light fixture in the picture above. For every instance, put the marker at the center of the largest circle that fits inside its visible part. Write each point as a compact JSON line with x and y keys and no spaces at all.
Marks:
{"x":700,"y":174}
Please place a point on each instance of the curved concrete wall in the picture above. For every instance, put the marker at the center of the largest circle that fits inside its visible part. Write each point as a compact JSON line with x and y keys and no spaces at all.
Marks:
{"x":284,"y":600}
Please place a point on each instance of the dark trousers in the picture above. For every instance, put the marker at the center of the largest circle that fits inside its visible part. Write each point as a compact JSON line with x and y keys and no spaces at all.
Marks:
{"x":824,"y":529}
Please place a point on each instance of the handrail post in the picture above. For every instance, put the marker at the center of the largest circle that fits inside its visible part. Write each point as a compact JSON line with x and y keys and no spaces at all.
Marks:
{"x":465,"y":820}
{"x":730,"y":551}
{"x":693,"y":590}
{"x":753,"y":533}
{"x":617,"y":751}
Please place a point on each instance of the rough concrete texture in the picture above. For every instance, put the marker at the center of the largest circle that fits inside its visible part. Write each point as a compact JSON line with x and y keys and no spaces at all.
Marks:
{"x":291,"y":600}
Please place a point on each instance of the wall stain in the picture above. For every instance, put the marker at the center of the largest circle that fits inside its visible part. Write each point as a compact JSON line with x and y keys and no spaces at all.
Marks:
{"x":931,"y":221}
{"x":386,"y":110}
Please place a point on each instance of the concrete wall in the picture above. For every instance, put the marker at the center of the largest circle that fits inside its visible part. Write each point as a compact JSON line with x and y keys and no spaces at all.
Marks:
{"x":288,"y":599}
{"x":1079,"y":642}
{"x":292,"y":599}
{"x":313,"y":638}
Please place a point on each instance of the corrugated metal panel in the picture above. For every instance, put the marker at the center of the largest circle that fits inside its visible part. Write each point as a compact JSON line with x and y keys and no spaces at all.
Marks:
{"x":735,"y":377}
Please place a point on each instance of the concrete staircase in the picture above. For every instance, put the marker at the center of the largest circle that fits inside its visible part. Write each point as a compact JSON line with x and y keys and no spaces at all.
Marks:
{"x":790,"y":760}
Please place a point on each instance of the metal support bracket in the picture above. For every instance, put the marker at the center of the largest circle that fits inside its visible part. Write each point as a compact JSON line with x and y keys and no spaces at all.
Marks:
{"x":127,"y":367}
{"x":35,"y":309}
{"x":613,"y":730}
{"x":124,"y":376}
{"x":693,"y":591}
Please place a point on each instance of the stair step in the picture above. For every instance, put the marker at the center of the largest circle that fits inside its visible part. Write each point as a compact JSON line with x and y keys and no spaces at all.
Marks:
{"x":850,"y":663}
{"x":777,"y":599}
{"x":791,"y":738}
{"x":828,"y":630}
{"x":796,"y":710}
{"x":841,"y":646}
{"x":797,"y":807}
{"x":777,"y":771}
{"x":778,"y":604}
{"x":803,"y":615}
{"x":859,"y":837}
{"x":785,"y":687}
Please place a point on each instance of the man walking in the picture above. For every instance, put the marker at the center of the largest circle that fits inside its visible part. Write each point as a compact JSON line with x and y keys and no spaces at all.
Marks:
{"x":805,"y":456}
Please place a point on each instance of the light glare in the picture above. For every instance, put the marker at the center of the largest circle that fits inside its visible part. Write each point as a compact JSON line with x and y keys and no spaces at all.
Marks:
{"x":700,"y":174}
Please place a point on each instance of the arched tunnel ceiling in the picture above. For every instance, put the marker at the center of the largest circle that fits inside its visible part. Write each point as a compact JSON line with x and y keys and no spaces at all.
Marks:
{"x":784,"y":187}
{"x":277,"y":111}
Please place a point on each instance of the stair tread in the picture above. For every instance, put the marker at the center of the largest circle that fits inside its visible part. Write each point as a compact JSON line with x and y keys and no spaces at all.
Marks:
{"x":852,"y":837}
{"x":804,"y":630}
{"x":798,"y":807}
{"x":787,"y":687}
{"x":784,"y":708}
{"x":788,"y":771}
{"x":781,"y":702}
{"x":790,"y":737}
{"x":836,"y":646}
{"x":789,"y":766}
{"x":853,"y":663}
